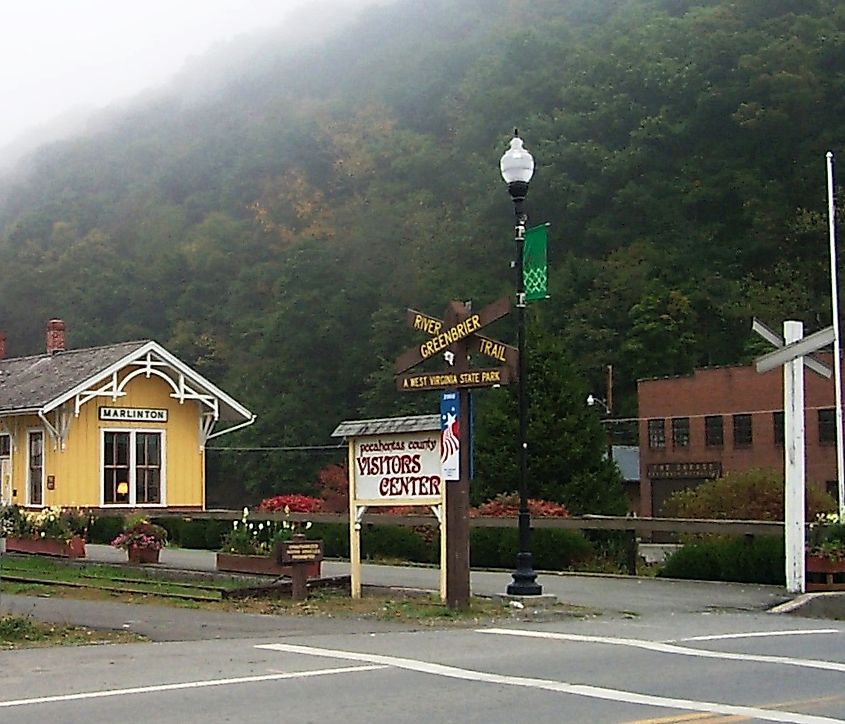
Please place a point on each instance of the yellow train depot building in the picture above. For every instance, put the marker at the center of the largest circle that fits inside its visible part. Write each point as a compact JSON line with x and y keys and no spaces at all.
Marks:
{"x":119,"y":426}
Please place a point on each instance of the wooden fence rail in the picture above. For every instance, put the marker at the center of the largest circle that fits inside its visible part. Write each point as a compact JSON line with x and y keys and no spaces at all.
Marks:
{"x":632,"y":527}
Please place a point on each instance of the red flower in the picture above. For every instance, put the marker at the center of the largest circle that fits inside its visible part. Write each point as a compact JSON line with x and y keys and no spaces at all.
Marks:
{"x":294,"y":502}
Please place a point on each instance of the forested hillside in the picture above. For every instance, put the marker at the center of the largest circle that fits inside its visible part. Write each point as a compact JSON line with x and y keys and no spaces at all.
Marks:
{"x":272,"y":230}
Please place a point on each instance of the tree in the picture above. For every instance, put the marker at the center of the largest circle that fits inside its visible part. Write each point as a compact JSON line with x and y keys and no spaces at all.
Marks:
{"x":567,"y":445}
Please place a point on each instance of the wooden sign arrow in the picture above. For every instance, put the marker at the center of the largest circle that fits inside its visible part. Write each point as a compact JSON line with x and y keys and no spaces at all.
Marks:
{"x":493,"y":348}
{"x":452,"y":334}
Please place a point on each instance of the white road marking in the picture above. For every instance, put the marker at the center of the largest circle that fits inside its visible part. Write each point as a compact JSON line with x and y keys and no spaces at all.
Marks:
{"x":762,"y":634}
{"x":670,"y":648}
{"x":594,"y":692}
{"x":185,"y":685}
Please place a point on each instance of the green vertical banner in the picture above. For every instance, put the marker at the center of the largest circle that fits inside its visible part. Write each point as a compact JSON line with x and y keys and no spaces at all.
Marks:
{"x":535,"y":272}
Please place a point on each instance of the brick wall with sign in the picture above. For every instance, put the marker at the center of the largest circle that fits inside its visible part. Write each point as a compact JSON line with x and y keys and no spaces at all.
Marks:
{"x":680,"y":444}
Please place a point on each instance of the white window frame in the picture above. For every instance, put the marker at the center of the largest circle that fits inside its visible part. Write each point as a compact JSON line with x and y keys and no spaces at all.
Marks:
{"x":132,"y":432}
{"x":9,"y":468}
{"x":27,"y":497}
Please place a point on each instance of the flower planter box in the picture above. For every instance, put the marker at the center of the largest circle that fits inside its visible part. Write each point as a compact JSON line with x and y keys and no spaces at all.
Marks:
{"x":261,"y":565}
{"x":73,"y":548}
{"x":143,"y":555}
{"x":824,"y":574}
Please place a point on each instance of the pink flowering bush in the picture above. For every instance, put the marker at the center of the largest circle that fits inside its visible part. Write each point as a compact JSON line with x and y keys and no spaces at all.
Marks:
{"x":291,"y":503}
{"x":140,"y":533}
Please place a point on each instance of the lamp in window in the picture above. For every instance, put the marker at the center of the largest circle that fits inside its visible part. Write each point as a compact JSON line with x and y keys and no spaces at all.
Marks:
{"x":123,"y":489}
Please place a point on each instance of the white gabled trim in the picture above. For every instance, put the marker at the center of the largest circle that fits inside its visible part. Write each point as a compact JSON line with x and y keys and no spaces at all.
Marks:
{"x":200,"y":388}
{"x":208,"y":437}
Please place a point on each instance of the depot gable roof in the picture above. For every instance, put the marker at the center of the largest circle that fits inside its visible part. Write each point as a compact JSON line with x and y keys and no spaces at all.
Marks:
{"x":42,"y":383}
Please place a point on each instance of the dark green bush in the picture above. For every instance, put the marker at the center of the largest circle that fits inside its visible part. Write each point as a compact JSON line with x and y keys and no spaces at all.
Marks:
{"x":335,"y":537}
{"x":173,"y":526}
{"x":214,"y":532}
{"x":192,"y":534}
{"x":757,"y":560}
{"x":388,"y":541}
{"x":555,"y":550}
{"x":105,"y":529}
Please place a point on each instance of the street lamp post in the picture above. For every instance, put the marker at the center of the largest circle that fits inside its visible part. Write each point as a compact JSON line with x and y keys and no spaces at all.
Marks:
{"x":517,"y":166}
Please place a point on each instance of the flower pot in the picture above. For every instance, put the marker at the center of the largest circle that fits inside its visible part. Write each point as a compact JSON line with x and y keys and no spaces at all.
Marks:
{"x":260,"y":565}
{"x":824,"y":574}
{"x":73,"y":548}
{"x":143,"y":555}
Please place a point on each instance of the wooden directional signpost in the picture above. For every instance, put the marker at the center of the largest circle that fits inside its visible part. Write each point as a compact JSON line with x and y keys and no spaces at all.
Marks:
{"x":455,"y":338}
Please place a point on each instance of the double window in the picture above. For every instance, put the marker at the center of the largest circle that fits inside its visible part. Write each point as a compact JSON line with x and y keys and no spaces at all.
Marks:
{"x":133,"y":467}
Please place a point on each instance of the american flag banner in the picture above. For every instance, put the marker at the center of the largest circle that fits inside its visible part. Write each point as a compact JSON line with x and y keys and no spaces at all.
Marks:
{"x":450,"y":444}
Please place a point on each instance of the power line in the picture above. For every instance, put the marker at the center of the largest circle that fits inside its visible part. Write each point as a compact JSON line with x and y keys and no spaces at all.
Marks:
{"x":284,"y":448}
{"x":724,"y":413}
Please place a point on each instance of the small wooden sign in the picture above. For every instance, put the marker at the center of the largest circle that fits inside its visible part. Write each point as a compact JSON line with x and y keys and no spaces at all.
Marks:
{"x":299,"y":551}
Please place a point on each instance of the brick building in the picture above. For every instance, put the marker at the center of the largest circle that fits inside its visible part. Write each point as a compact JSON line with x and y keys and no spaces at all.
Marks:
{"x":726,"y":419}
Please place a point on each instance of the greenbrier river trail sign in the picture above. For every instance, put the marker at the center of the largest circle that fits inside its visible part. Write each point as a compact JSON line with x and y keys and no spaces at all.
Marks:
{"x":461,"y":338}
{"x":457,"y":336}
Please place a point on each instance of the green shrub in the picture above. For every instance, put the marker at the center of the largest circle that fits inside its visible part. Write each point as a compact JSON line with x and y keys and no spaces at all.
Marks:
{"x":749,"y":495}
{"x":173,"y":526}
{"x":398,"y":542}
{"x":105,"y":529}
{"x":200,"y":533}
{"x":215,"y":530}
{"x":335,"y":537}
{"x":193,"y":533}
{"x":554,"y":550}
{"x":742,"y":560}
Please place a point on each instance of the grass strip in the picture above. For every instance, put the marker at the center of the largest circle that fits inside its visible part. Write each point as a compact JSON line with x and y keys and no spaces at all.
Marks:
{"x":116,"y":589}
{"x":20,"y":632}
{"x":126,"y":579}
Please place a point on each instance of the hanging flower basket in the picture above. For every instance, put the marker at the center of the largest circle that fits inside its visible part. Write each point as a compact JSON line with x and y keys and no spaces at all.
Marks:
{"x":72,"y":548}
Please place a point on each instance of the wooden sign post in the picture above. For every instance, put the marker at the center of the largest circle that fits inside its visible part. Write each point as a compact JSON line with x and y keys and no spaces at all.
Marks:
{"x":457,"y":334}
{"x":298,"y":553}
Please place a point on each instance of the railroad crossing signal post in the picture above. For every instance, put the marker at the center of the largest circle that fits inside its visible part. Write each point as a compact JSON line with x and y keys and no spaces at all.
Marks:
{"x":457,"y":333}
{"x":792,"y":354}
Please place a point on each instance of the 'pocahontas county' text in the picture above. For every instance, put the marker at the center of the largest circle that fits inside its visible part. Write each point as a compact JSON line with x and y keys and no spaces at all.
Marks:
{"x":399,"y":475}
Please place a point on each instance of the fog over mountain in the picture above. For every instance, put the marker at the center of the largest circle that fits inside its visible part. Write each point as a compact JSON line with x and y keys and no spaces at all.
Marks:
{"x":93,"y":58}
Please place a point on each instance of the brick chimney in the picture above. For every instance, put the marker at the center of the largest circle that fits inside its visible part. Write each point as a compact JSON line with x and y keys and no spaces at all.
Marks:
{"x":2,"y":345}
{"x":55,"y":336}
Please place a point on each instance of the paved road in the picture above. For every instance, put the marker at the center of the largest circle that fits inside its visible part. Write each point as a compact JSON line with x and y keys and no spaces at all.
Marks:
{"x":652,"y":650}
{"x":597,"y":669}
